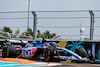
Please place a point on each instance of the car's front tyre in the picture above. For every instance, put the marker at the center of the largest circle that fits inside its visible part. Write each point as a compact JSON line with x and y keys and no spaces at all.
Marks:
{"x":49,"y":53}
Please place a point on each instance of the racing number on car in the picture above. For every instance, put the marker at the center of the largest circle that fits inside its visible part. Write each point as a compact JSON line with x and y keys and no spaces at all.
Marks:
{"x":27,"y":52}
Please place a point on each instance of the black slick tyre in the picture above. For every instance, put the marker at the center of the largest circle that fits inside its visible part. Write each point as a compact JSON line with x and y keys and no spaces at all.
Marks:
{"x":49,"y":53}
{"x":81,"y":51}
{"x":8,"y":51}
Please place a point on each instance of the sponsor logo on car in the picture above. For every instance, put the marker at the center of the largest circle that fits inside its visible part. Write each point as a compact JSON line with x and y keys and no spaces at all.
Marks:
{"x":27,"y":52}
{"x":67,"y":57}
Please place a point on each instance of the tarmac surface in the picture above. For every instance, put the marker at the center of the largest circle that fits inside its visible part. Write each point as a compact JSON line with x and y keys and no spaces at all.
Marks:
{"x":78,"y":65}
{"x":72,"y":65}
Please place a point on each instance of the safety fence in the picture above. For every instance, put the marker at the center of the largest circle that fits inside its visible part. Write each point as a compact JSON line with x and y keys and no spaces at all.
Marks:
{"x":63,"y":23}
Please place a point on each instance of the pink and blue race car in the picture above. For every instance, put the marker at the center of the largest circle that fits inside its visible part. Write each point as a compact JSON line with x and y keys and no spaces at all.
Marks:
{"x":40,"y":49}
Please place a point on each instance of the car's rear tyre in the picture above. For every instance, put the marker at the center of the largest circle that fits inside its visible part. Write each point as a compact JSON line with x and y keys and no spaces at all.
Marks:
{"x":49,"y":53}
{"x":8,"y":51}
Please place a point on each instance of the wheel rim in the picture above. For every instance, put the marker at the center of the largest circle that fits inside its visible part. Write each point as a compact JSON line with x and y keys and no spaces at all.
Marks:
{"x":5,"y":52}
{"x":47,"y":54}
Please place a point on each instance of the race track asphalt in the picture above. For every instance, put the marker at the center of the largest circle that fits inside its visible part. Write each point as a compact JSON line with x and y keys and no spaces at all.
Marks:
{"x":79,"y":65}
{"x":76,"y":65}
{"x":73,"y":65}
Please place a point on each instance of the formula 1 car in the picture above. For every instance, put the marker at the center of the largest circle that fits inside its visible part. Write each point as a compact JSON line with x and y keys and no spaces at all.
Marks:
{"x":42,"y":50}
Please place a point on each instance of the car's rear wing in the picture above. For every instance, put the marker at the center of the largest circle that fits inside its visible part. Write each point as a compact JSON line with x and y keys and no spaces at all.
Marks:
{"x":17,"y":41}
